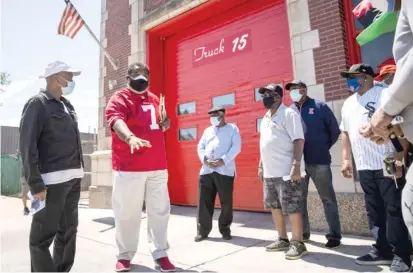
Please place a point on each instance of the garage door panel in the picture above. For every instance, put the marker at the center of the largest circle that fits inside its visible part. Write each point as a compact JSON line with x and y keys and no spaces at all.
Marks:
{"x":267,"y":59}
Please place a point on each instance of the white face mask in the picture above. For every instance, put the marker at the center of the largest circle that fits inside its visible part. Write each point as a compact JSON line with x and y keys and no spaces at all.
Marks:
{"x":69,"y":88}
{"x":215,"y":121}
{"x":295,"y":95}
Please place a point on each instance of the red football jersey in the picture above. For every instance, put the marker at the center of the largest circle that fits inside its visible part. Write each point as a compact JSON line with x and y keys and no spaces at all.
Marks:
{"x":141,"y":114}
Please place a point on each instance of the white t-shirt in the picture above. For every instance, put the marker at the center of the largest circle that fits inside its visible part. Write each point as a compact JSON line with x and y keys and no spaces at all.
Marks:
{"x":278,"y":133}
{"x":357,"y":112}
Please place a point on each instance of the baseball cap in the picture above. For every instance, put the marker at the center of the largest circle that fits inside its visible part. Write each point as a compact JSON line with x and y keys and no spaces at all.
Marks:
{"x":271,"y":87}
{"x":56,"y":67}
{"x":358,"y":69}
{"x":295,"y":82}
{"x":386,"y":70}
{"x":216,"y":109}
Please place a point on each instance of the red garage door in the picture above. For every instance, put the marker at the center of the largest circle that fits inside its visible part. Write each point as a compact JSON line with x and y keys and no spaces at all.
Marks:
{"x":221,"y":61}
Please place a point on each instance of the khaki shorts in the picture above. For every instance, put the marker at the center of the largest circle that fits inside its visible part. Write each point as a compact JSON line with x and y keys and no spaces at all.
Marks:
{"x":284,"y":195}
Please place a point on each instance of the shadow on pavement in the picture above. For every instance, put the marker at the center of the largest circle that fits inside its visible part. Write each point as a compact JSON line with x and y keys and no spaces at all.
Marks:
{"x":338,"y":262}
{"x":237,"y":240}
{"x":353,"y":250}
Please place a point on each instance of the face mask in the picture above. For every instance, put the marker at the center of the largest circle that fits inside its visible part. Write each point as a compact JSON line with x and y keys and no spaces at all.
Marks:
{"x":353,"y":85}
{"x":69,"y":88}
{"x":268,"y":102}
{"x":139,"y":84}
{"x":215,"y":121}
{"x":295,"y":95}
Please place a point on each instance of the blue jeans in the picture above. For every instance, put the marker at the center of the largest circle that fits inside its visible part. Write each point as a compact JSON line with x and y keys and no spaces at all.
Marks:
{"x":323,"y":181}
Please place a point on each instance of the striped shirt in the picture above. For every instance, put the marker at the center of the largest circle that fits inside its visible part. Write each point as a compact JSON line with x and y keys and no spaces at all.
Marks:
{"x":357,"y":112}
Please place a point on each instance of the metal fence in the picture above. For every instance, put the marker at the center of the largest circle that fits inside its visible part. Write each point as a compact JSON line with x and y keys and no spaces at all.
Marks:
{"x":11,"y":166}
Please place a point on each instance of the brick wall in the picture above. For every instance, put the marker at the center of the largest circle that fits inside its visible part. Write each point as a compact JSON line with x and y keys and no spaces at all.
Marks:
{"x":331,"y":57}
{"x":118,"y":45}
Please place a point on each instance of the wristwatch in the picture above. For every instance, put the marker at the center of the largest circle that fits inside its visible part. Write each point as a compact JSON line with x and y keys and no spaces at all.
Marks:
{"x":398,"y":163}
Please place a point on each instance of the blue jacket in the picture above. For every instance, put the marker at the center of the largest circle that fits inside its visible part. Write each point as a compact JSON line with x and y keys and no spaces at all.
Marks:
{"x":321,"y":131}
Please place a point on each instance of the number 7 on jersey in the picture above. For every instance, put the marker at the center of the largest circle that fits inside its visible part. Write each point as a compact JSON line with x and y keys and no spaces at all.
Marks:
{"x":149,"y":107}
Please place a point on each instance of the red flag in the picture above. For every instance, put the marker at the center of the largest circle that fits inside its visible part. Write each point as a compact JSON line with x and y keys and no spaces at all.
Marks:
{"x":71,"y":21}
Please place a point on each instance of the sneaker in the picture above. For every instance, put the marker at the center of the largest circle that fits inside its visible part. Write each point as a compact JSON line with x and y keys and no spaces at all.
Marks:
{"x":278,"y":245}
{"x":296,"y":251}
{"x":331,"y":244}
{"x":165,"y":265}
{"x":26,"y":211}
{"x":398,"y":265}
{"x":122,"y":266}
{"x":227,"y":237}
{"x":306,"y":238}
{"x":373,"y":259}
{"x":200,"y":238}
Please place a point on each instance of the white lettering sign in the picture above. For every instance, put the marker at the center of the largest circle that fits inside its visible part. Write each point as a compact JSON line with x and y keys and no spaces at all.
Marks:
{"x":207,"y":53}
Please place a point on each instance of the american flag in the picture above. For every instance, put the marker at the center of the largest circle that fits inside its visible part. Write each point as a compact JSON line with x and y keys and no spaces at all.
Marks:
{"x":71,"y":21}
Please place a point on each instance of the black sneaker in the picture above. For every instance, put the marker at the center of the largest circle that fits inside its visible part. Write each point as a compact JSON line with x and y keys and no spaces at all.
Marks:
{"x":331,"y":244}
{"x":227,"y":237}
{"x":306,"y":238}
{"x":200,"y":238}
{"x":372,"y":259}
{"x":398,"y":265}
{"x":26,"y":211}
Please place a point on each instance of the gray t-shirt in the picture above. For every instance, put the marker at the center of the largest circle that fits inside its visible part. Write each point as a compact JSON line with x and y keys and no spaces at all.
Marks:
{"x":278,"y":133}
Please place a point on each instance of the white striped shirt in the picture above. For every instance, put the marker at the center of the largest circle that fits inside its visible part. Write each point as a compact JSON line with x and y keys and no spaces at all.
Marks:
{"x":357,"y":112}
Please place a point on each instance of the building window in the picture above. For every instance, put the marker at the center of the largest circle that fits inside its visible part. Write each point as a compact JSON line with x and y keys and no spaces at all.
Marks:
{"x":187,"y":134}
{"x":224,"y":100}
{"x":258,"y":96}
{"x":186,"y":108}
{"x":259,"y":124}
{"x":373,"y":53}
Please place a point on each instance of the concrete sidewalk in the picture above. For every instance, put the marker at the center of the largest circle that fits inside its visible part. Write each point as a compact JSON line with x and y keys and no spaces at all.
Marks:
{"x":96,"y":248}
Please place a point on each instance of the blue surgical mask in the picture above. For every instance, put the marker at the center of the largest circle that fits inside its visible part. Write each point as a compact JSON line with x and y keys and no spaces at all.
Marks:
{"x":215,"y":121}
{"x":295,"y":95}
{"x":353,"y":85}
{"x":69,"y":88}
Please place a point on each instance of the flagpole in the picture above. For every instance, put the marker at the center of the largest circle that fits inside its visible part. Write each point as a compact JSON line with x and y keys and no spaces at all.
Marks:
{"x":112,"y":61}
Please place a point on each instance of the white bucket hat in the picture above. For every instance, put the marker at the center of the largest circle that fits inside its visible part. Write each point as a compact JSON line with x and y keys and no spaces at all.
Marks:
{"x":56,"y":67}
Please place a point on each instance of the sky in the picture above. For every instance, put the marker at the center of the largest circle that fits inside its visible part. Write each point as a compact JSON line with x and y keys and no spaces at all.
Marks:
{"x":29,"y":41}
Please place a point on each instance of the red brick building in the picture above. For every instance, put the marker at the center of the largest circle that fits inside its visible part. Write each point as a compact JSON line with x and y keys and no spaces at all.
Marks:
{"x":204,"y":53}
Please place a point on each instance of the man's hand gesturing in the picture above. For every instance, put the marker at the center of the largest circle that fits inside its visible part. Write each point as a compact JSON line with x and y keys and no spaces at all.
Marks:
{"x":136,"y":143}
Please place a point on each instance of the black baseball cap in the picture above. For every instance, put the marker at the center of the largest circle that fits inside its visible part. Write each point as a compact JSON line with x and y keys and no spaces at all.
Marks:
{"x":271,"y":87}
{"x":216,"y":109}
{"x":295,"y":82}
{"x":356,"y":69}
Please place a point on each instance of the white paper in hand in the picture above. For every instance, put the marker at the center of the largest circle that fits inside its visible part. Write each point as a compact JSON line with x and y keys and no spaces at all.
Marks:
{"x":36,"y":205}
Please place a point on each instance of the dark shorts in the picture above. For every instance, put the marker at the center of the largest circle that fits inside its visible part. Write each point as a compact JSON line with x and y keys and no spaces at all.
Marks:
{"x":284,"y":195}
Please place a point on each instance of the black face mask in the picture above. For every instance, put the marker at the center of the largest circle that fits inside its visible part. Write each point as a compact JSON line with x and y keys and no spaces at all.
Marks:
{"x":138,"y":85}
{"x":268,"y":102}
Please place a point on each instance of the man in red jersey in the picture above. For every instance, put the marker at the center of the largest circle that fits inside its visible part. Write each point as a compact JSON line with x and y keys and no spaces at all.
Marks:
{"x":140,"y":172}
